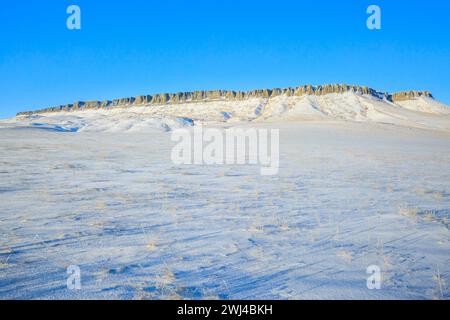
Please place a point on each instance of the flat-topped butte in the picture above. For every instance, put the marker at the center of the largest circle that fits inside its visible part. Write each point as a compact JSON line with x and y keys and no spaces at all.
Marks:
{"x":229,"y":95}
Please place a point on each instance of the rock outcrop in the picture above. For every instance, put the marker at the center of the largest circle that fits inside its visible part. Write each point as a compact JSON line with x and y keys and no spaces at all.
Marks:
{"x":227,"y":95}
{"x":410,"y":95}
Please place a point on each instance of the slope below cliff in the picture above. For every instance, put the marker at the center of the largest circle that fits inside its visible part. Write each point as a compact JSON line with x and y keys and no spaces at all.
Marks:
{"x":352,"y":103}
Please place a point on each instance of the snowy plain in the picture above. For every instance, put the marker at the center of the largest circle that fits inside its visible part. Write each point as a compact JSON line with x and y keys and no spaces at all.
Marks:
{"x":361,"y":182}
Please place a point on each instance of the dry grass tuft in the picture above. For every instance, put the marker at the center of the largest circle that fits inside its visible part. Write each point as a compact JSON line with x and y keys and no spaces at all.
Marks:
{"x":409,"y":212}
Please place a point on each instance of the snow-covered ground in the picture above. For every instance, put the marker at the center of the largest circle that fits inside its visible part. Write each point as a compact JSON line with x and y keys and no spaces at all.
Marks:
{"x":361,"y":182}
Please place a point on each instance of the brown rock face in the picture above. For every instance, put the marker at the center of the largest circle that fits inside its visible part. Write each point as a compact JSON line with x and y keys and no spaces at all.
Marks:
{"x":91,"y":105}
{"x":141,"y":100}
{"x":213,"y":95}
{"x":410,"y":95}
{"x":105,"y":104}
{"x":78,"y":105}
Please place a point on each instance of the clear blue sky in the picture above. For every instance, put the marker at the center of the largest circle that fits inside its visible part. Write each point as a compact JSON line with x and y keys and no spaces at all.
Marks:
{"x":133,"y":47}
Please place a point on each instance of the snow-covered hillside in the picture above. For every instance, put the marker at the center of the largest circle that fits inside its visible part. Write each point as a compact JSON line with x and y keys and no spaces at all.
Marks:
{"x":421,"y":112}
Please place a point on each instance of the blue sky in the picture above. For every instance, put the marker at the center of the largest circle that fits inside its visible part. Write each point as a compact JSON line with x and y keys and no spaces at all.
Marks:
{"x":128,"y":48}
